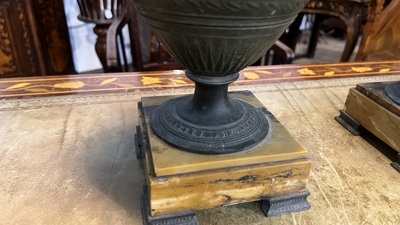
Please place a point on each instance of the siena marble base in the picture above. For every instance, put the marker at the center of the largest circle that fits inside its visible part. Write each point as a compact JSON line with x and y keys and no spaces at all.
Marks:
{"x":367,"y":106}
{"x":179,"y":181}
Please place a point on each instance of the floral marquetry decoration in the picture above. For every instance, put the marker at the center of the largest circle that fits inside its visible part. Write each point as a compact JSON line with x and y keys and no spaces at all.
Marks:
{"x":174,"y":79}
{"x":384,"y":70}
{"x":361,"y":69}
{"x":329,"y":73}
{"x":17,"y":86}
{"x":151,"y":80}
{"x":266,"y":72}
{"x":306,"y":71}
{"x":73,"y":85}
{"x":251,"y":76}
{"x":108,"y":81}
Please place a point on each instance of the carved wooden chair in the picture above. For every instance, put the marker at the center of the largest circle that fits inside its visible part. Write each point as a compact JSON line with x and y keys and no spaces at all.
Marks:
{"x":381,"y":35}
{"x":352,"y":12}
{"x":111,"y":16}
{"x":102,"y":14}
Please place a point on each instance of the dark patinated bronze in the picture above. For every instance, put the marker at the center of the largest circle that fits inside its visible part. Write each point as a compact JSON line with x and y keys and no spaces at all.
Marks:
{"x":392,"y":90}
{"x":214,"y":40}
{"x":277,"y":206}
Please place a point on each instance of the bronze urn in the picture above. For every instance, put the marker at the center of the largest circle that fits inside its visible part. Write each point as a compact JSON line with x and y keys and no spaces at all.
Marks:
{"x":214,"y":40}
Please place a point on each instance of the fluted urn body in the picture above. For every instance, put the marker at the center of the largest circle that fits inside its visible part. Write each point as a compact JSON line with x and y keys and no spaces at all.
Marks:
{"x":215,"y":39}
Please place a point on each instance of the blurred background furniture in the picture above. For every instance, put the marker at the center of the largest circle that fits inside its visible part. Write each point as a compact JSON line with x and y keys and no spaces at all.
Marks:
{"x":34,"y":39}
{"x":351,"y":12}
{"x":111,"y":17}
{"x":279,"y":53}
{"x":381,"y":35}
{"x":147,"y":53}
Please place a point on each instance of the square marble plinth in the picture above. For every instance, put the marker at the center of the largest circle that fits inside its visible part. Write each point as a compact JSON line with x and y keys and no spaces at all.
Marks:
{"x":367,"y":106}
{"x":180,"y":181}
{"x":370,"y":107}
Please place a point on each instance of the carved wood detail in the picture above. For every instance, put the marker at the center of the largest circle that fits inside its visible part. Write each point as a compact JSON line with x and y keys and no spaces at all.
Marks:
{"x":7,"y":57}
{"x":351,"y":12}
{"x":25,"y":34}
{"x":54,"y":40}
{"x":34,"y":38}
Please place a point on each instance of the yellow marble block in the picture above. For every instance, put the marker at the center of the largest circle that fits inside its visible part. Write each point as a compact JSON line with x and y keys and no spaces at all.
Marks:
{"x":228,"y":186}
{"x":180,"y":181}
{"x":375,"y":113}
{"x":279,"y":145}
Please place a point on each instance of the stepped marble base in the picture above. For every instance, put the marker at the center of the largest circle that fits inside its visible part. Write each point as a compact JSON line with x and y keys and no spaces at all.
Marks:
{"x":180,"y":183}
{"x":368,"y":107}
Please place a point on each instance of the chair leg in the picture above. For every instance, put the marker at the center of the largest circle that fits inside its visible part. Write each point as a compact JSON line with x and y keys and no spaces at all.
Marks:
{"x":101,"y":45}
{"x":319,"y":18}
{"x":123,"y":64}
{"x":351,"y":39}
{"x":293,"y":34}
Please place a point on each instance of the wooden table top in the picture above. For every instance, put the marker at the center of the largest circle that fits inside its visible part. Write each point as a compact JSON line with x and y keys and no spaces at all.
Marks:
{"x":147,"y":81}
{"x":69,"y":159}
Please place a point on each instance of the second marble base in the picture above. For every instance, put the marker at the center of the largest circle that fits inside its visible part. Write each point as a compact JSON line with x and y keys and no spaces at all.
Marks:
{"x":368,"y":107}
